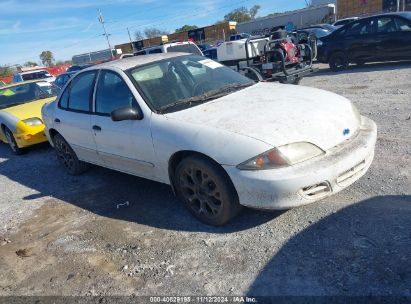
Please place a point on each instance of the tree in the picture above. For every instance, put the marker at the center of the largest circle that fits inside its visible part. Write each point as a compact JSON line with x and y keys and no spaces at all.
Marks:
{"x":242,"y":14}
{"x":138,"y":35}
{"x":30,"y":64}
{"x":5,"y":71}
{"x":152,"y":32}
{"x":47,"y":58}
{"x":186,"y":28}
{"x":254,"y":10}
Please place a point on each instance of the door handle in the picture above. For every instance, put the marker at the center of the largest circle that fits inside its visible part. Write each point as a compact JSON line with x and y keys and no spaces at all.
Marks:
{"x":56,"y":120}
{"x":96,"y":128}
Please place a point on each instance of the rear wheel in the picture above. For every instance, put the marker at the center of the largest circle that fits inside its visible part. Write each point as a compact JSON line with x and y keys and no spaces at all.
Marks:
{"x":338,"y":61}
{"x":12,"y":142}
{"x":68,"y":157}
{"x":206,"y":190}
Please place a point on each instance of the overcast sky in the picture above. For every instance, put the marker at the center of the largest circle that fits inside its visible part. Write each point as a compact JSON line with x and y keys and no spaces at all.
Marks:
{"x":70,"y":27}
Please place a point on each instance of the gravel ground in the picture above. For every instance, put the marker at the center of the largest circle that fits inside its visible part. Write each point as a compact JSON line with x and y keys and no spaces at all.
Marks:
{"x":63,"y":235}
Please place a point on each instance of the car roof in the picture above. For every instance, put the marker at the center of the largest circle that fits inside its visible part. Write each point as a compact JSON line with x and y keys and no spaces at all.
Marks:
{"x":401,"y":14}
{"x":131,"y":62}
{"x":21,"y":83}
{"x":33,"y":71}
{"x":68,"y":73}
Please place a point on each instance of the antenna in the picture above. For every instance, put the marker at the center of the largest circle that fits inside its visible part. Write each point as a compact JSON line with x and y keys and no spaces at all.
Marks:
{"x":101,"y":20}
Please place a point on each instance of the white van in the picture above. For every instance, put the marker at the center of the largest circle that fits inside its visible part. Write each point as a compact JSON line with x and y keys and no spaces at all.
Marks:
{"x":183,"y":47}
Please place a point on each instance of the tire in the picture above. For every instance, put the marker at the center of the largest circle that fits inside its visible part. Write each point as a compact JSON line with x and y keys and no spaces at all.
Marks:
{"x":12,"y":142}
{"x":68,"y":157}
{"x":206,"y":190}
{"x":295,"y":81}
{"x":338,"y":62}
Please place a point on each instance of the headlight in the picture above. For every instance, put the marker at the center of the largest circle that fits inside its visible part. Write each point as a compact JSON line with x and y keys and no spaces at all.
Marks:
{"x":319,"y":42}
{"x":282,"y":156}
{"x":33,"y":121}
{"x":356,"y":113}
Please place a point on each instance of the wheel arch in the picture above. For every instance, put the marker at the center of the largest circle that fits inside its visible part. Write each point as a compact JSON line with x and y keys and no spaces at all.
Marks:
{"x":53,"y":132}
{"x":177,"y":157}
{"x":335,"y":51}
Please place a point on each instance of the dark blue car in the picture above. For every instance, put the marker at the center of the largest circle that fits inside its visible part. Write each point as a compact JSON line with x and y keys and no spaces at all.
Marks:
{"x":383,"y":37}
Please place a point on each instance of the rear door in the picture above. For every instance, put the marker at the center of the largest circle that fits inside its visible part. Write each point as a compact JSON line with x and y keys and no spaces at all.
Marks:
{"x":122,"y":145}
{"x":72,"y":117}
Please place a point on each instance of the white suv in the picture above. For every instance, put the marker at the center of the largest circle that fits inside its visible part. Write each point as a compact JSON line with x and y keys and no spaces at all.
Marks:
{"x":185,"y":47}
{"x":33,"y":75}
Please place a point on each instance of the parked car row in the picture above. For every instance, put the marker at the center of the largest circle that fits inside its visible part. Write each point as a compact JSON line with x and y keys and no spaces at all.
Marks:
{"x":383,"y":37}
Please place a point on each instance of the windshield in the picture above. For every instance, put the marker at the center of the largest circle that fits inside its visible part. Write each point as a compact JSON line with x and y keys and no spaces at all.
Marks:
{"x":21,"y":94}
{"x":184,"y":81}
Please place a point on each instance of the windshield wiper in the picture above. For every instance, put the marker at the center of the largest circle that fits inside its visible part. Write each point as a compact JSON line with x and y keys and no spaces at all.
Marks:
{"x":207,"y":96}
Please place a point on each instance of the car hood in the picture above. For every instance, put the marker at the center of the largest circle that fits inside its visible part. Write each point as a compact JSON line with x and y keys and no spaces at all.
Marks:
{"x":278,"y":114}
{"x":29,"y":109}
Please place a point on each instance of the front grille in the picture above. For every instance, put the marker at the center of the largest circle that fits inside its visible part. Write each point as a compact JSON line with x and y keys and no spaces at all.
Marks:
{"x":317,"y":190}
{"x":351,"y":175}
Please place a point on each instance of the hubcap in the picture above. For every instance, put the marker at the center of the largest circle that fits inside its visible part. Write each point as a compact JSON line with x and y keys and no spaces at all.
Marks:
{"x":201,"y":192}
{"x":64,"y":154}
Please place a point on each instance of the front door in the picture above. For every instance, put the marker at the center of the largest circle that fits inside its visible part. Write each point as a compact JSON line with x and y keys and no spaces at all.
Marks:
{"x":360,"y":41}
{"x":122,"y":145}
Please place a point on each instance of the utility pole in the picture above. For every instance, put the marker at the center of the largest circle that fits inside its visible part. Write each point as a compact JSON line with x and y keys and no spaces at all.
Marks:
{"x":101,"y":20}
{"x":131,"y":41}
{"x":398,"y":5}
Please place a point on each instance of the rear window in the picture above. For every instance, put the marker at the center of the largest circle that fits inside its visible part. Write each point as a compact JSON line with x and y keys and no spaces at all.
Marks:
{"x":36,"y":75}
{"x":185,"y":48}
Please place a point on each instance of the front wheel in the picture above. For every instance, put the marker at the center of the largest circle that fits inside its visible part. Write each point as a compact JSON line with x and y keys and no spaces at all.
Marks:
{"x":206,"y":190}
{"x":294,"y":80}
{"x":12,"y":142}
{"x":68,"y":157}
{"x":338,"y":61}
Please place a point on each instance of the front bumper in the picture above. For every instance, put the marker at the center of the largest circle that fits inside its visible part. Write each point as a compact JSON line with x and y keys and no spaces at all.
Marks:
{"x":309,"y":181}
{"x":29,"y":135}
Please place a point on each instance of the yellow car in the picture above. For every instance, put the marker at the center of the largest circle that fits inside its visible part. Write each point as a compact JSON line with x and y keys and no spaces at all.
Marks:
{"x":20,"y":113}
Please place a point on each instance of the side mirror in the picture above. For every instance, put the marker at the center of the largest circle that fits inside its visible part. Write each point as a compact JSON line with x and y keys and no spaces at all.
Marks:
{"x":127,"y":113}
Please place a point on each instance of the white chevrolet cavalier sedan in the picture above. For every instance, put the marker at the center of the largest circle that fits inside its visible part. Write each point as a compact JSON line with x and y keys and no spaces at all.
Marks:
{"x":220,"y":140}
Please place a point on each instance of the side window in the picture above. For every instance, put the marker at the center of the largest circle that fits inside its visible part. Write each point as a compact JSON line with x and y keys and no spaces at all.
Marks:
{"x":81,"y":92}
{"x":112,"y":93}
{"x":360,"y":28}
{"x":386,"y":25}
{"x":403,"y":25}
{"x":63,"y":103}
